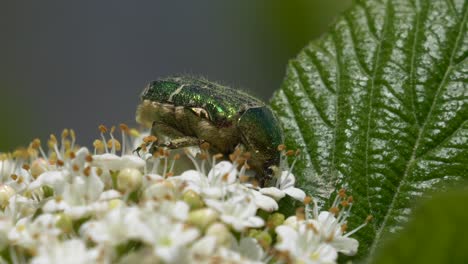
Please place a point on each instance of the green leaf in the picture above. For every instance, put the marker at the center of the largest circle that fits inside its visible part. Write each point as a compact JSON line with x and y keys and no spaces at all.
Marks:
{"x":437,"y":233}
{"x":379,"y":106}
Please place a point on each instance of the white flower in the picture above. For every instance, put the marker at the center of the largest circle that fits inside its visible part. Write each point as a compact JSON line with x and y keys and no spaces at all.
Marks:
{"x":118,"y":226}
{"x":31,"y":233}
{"x":168,"y":238}
{"x":53,"y":179}
{"x":248,"y":249}
{"x":215,"y":183}
{"x":331,"y":230}
{"x":109,"y":161}
{"x":6,"y":224}
{"x":304,"y":245}
{"x":328,"y":228}
{"x":79,"y":198}
{"x":71,"y":252}
{"x":238,"y":211}
{"x":20,"y":180}
{"x":284,"y":185}
{"x":264,"y":202}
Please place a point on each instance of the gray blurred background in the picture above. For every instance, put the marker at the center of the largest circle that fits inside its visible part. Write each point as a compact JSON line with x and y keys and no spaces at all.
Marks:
{"x":77,"y":64}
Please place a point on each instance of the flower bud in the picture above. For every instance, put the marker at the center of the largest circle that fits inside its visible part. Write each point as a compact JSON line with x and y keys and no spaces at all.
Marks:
{"x":65,"y":223}
{"x":129,"y":180}
{"x":6,"y":192}
{"x":115,"y":203}
{"x":221,"y":232}
{"x":201,"y":218}
{"x":38,"y":167}
{"x":193,"y":200}
{"x":275,"y":220}
{"x":263,"y":237}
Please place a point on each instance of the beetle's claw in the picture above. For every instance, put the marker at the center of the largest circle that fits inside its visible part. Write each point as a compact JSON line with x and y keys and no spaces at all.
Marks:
{"x":137,"y":150}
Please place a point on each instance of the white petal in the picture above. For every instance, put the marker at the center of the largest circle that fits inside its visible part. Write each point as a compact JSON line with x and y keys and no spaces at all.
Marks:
{"x":291,"y":222}
{"x":264,"y":202}
{"x":205,"y":246}
{"x":326,"y":254}
{"x":109,"y":195}
{"x":106,"y":161}
{"x":287,"y":180}
{"x":250,"y":248}
{"x":288,"y":239}
{"x":54,"y":179}
{"x":54,"y":206}
{"x":213,"y":192}
{"x":273,"y":192}
{"x":222,"y":168}
{"x":345,"y":245}
{"x":295,"y":193}
{"x":256,"y":221}
{"x":132,"y":162}
{"x":326,"y":217}
{"x":180,"y":210}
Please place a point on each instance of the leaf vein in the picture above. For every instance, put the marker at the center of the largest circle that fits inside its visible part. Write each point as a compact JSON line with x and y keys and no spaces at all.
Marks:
{"x":317,"y":65}
{"x":303,"y":83}
{"x":419,"y":137}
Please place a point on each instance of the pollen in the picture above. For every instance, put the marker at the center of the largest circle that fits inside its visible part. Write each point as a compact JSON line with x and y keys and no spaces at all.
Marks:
{"x":111,"y":143}
{"x":205,"y":146}
{"x":334,"y":210}
{"x":312,"y":227}
{"x":71,"y":154}
{"x":72,"y":135}
{"x":98,"y":146}
{"x":344,"y":227}
{"x":218,"y":156}
{"x":281,"y":147}
{"x":87,"y":171}
{"x":124,"y":128}
{"x":103,"y":129}
{"x":300,"y":213}
{"x":65,"y":133}
{"x":36,"y":143}
{"x":52,"y":140}
{"x":308,"y":200}
{"x":89,"y":158}
{"x":134,"y":133}
{"x":244,"y":178}
{"x":150,"y":139}
{"x":60,"y":163}
{"x":342,"y":193}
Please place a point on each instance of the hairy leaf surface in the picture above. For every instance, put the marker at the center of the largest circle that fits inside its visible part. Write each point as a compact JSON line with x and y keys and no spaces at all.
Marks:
{"x":379,"y":106}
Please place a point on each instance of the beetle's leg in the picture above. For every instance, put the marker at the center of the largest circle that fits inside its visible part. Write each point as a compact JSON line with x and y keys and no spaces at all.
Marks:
{"x":176,"y":138}
{"x":183,"y":142}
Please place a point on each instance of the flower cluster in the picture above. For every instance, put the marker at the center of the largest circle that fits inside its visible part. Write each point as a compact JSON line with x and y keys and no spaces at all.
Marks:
{"x":118,"y":205}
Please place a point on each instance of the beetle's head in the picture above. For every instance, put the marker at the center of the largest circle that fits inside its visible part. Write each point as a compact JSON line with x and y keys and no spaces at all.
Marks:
{"x":261,"y":135}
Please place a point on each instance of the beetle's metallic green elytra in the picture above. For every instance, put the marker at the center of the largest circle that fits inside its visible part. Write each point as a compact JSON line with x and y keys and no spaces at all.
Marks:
{"x":185,"y":111}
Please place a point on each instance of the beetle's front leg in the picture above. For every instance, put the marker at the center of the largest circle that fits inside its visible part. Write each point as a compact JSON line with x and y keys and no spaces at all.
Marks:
{"x":183,"y":142}
{"x":176,"y":139}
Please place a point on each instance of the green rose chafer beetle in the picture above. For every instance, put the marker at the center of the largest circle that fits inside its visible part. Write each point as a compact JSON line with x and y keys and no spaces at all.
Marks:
{"x":186,"y":111}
